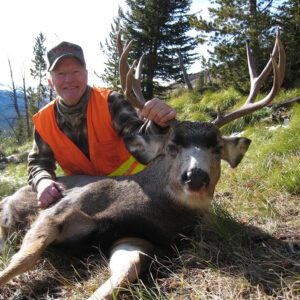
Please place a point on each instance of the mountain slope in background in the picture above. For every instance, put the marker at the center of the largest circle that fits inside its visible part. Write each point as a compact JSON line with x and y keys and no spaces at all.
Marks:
{"x":7,"y":110}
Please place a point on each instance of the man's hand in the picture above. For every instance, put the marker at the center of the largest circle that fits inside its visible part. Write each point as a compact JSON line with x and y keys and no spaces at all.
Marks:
{"x":48,"y":191}
{"x":158,"y":111}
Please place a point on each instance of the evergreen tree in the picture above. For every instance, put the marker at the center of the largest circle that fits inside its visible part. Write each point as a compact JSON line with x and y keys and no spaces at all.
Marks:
{"x":289,"y":21}
{"x":233,"y":22}
{"x":32,"y":97}
{"x":159,"y":28}
{"x":111,"y":71}
{"x":39,"y":72}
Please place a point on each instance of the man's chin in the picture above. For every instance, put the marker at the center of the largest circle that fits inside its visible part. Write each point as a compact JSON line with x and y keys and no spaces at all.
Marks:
{"x":70,"y":99}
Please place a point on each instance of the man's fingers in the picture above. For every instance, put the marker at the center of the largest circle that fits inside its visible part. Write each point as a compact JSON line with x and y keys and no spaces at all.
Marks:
{"x":45,"y":200}
{"x":170,"y":115}
{"x":164,"y":116}
{"x":55,"y":191}
{"x":50,"y":195}
{"x":158,"y":111}
{"x":154,"y":113}
{"x":60,"y":188}
{"x":150,"y":110}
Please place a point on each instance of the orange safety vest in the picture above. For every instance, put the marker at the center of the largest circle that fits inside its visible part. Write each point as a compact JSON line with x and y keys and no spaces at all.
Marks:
{"x":108,"y":154}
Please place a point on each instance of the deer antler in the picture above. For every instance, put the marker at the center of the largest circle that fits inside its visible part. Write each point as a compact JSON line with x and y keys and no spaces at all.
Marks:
{"x":256,"y":83}
{"x":131,"y":85}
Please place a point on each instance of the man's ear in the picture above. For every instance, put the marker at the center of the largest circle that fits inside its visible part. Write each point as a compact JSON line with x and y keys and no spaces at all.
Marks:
{"x":234,"y":149}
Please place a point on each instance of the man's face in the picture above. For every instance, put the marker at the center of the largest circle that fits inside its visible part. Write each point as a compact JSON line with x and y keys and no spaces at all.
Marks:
{"x":69,"y":79}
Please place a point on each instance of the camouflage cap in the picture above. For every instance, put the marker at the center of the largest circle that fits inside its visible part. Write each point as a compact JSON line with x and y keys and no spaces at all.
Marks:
{"x":64,"y":49}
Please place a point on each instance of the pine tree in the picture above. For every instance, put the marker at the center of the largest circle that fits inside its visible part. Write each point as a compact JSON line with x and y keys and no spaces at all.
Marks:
{"x":289,"y":22}
{"x":39,"y":72}
{"x":159,"y":28}
{"x":233,"y":22}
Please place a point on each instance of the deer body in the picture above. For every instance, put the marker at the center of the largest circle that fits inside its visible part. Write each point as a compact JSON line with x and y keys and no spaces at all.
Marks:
{"x":144,"y":213}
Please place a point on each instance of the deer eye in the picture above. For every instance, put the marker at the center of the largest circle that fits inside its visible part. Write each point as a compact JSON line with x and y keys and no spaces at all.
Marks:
{"x":172,"y":149}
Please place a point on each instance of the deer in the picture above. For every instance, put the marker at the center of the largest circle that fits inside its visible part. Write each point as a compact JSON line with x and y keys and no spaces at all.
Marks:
{"x":137,"y":217}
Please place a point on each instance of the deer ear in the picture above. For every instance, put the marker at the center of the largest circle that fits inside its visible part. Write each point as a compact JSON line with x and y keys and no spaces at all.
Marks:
{"x":234,"y":149}
{"x":146,"y":147}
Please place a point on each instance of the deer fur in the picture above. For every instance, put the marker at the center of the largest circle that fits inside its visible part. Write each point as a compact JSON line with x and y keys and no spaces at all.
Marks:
{"x":132,"y":216}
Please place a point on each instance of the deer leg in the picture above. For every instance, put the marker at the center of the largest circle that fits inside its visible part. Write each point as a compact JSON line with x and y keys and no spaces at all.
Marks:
{"x":34,"y":243}
{"x":127,"y":261}
{"x":46,"y":230}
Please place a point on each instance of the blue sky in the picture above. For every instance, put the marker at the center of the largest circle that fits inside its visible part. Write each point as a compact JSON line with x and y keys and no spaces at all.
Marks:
{"x":85,"y":23}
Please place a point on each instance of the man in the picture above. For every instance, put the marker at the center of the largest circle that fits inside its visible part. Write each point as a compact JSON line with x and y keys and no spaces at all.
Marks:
{"x":85,"y":129}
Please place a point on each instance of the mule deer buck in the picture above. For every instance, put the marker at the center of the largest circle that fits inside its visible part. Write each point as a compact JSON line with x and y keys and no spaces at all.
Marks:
{"x":143,"y":214}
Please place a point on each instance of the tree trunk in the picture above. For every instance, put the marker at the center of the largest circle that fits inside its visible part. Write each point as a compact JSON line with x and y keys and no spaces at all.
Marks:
{"x":14,"y":93}
{"x":253,"y":29}
{"x":26,"y":108}
{"x":185,"y":75}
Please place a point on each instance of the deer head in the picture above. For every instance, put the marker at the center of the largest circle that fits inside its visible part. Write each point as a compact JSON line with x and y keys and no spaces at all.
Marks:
{"x":193,"y":150}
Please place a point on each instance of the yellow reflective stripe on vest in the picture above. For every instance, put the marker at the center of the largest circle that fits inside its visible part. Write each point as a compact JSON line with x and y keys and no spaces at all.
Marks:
{"x":138,"y":168}
{"x":130,"y":166}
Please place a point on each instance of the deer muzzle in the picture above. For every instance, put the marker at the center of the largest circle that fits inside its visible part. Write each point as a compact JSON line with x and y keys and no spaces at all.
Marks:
{"x":196,"y":179}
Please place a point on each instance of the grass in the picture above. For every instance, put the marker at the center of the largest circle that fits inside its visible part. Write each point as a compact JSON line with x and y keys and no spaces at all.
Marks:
{"x":12,"y":178}
{"x":249,"y":247}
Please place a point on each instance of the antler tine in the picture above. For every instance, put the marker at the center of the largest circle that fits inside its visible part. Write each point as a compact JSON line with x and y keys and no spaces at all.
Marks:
{"x":251,"y":62}
{"x":282,"y":58}
{"x":256,"y":82}
{"x":130,"y":84}
{"x":119,"y":42}
{"x":128,"y":90}
{"x":137,"y":80}
{"x":123,"y":66}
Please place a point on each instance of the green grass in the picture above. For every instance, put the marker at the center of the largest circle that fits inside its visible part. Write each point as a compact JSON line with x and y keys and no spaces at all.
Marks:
{"x":9,"y":146}
{"x":273,"y":157}
{"x":12,"y":178}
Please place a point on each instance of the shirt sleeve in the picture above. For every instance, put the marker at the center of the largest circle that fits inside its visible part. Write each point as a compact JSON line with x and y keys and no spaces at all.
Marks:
{"x":126,"y":121}
{"x":41,"y":162}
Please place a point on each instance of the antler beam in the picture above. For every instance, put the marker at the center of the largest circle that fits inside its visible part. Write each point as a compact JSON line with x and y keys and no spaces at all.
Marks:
{"x":256,"y":83}
{"x":131,"y":85}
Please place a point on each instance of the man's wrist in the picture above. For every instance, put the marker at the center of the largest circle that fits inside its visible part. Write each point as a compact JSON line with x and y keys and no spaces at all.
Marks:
{"x":38,"y":179}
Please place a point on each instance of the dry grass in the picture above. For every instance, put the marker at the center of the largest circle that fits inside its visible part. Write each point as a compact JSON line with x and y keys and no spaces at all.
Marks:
{"x":227,"y":258}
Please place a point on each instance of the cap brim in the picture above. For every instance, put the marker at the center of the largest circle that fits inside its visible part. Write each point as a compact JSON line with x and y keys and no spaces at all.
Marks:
{"x":51,"y":67}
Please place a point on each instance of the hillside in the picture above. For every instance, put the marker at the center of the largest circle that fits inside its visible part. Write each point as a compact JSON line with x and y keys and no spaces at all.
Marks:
{"x":7,"y":112}
{"x":249,"y":247}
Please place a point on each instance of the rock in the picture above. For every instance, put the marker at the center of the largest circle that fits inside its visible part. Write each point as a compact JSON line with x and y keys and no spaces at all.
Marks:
{"x":13,"y":159}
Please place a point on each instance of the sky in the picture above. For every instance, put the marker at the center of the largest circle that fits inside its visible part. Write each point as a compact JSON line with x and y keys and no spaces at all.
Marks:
{"x":86,"y":23}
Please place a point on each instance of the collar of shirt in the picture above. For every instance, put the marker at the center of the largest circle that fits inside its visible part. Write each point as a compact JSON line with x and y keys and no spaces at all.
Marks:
{"x":73,"y":116}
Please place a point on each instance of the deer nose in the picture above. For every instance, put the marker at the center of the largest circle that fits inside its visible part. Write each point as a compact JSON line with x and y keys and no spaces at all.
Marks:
{"x":196,"y":179}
